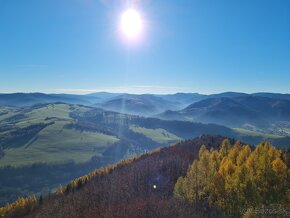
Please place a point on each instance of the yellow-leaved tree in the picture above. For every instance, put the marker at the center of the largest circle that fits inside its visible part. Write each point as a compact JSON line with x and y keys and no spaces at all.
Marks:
{"x":237,"y":178}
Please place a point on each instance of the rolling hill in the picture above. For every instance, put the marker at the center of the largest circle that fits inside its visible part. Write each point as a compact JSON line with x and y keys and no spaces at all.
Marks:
{"x":38,"y":134}
{"x":145,"y":105}
{"x":29,"y":99}
{"x":184,"y":99}
{"x":234,"y":112}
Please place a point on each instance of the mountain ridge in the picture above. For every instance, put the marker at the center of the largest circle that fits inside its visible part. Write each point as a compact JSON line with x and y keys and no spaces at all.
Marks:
{"x":98,"y":97}
{"x":236,"y":111}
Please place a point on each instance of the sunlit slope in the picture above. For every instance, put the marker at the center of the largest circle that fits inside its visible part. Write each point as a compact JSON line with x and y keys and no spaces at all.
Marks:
{"x":55,"y":144}
{"x":52,"y":144}
{"x":246,"y":132}
{"x":158,"y":135}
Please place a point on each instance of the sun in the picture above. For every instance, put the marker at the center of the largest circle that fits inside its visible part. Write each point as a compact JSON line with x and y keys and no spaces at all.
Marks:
{"x":131,"y":23}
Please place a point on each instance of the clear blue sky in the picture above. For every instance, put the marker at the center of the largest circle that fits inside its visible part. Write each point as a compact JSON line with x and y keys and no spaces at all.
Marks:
{"x":201,"y":46}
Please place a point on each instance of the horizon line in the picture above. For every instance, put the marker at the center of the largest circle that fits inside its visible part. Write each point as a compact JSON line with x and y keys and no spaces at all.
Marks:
{"x":139,"y":93}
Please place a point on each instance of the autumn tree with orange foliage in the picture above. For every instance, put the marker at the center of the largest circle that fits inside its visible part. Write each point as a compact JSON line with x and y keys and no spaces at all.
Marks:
{"x":19,"y":208}
{"x":236,"y":177}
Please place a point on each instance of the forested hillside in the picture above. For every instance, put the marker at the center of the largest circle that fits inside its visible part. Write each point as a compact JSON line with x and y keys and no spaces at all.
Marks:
{"x":204,"y":177}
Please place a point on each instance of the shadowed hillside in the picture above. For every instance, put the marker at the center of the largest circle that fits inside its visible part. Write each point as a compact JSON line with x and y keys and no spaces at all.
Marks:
{"x":138,"y":187}
{"x":235,"y":111}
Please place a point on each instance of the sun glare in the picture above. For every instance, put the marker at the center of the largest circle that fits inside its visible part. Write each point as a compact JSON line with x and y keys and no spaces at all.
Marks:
{"x":131,"y":23}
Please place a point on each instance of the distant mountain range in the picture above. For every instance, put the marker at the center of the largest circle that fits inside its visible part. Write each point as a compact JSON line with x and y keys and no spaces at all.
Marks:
{"x":232,"y":109}
{"x":144,"y":102}
{"x":180,"y":100}
{"x":235,"y":111}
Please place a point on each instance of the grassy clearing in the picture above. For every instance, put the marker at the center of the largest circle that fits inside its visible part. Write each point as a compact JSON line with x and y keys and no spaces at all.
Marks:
{"x":246,"y":132}
{"x":57,"y":111}
{"x":56,"y":144}
{"x":158,"y":135}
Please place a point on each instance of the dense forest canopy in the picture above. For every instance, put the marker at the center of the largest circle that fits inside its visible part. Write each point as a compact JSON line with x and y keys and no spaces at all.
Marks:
{"x":237,"y":178}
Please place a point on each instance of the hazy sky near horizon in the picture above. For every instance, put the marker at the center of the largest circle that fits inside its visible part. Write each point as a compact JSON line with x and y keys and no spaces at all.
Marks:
{"x":206,"y":46}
